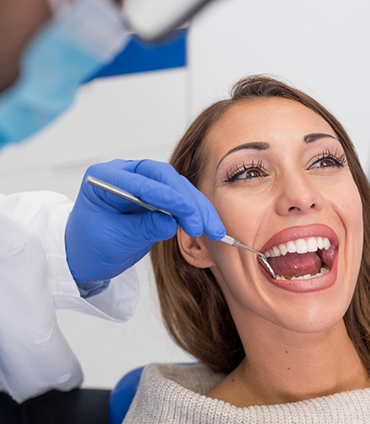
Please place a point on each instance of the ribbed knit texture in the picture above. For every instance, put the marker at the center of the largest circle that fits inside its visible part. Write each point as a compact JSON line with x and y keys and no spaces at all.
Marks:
{"x":174,"y":394}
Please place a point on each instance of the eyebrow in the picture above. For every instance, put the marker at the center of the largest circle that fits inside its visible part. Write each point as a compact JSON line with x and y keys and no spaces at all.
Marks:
{"x":309,"y":138}
{"x":255,"y":145}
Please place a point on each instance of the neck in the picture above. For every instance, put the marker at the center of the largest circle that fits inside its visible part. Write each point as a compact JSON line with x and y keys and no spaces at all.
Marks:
{"x":282,"y":366}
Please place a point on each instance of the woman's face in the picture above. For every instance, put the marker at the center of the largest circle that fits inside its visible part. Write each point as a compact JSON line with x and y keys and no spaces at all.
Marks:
{"x":278,"y":177}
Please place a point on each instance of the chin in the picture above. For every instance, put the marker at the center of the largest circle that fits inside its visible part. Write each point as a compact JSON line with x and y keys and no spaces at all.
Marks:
{"x":312,"y":322}
{"x":315,"y":313}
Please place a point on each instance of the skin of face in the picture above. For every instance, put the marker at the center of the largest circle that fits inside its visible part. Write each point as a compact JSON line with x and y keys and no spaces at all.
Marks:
{"x":297,"y":187}
{"x":20,"y":20}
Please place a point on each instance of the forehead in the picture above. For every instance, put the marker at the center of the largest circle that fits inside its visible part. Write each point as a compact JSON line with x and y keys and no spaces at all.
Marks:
{"x":266,"y":120}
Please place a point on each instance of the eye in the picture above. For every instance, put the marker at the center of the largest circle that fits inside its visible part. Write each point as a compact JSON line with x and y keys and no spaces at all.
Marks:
{"x":324,"y":163}
{"x":329,"y":160}
{"x":246,"y":172}
{"x":250,"y":173}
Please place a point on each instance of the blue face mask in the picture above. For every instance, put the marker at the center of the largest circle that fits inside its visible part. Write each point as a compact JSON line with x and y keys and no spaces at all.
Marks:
{"x":82,"y":38}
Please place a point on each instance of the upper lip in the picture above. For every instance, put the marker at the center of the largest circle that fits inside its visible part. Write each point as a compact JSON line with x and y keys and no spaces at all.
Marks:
{"x":295,"y":233}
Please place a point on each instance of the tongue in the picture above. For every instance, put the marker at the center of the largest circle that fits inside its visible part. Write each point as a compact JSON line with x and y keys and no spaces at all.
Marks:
{"x":327,"y":256}
{"x":296,"y":264}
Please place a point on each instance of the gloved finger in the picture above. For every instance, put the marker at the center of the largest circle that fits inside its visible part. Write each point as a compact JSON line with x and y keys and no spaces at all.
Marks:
{"x":211,"y":222}
{"x":164,"y":188}
{"x":205,"y":217}
{"x":153,"y":192}
{"x":128,"y":176}
{"x":192,"y":210}
{"x":132,"y":231}
{"x":150,"y":226}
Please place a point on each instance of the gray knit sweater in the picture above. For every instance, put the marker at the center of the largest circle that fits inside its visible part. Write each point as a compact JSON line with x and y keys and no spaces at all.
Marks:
{"x":174,"y":394}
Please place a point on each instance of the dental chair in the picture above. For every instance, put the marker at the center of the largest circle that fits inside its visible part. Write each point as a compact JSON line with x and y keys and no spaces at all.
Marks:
{"x":122,"y":395}
{"x":78,"y":406}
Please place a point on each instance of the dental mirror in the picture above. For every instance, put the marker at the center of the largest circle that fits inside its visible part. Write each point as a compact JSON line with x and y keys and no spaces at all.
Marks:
{"x":128,"y":196}
{"x":152,"y":19}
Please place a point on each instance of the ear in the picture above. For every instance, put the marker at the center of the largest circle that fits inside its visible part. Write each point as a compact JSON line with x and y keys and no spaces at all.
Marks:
{"x":194,"y":250}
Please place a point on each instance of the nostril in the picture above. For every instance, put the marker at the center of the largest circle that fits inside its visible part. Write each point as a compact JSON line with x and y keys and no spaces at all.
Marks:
{"x":292,"y":208}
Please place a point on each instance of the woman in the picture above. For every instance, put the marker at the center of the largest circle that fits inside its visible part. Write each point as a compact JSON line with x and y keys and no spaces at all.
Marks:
{"x":285,"y":180}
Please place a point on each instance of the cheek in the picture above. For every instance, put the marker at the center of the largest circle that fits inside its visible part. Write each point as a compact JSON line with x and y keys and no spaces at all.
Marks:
{"x":356,"y":218}
{"x":235,"y":266}
{"x":350,"y":211}
{"x":349,"y":208}
{"x":237,"y":270}
{"x":241,"y":214}
{"x":243,"y":217}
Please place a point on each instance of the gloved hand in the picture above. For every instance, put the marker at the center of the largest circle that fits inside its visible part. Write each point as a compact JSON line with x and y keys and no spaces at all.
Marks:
{"x":106,"y":234}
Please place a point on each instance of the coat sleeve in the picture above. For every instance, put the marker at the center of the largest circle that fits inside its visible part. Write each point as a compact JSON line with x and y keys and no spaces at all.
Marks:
{"x":45,"y":214}
{"x":34,"y":280}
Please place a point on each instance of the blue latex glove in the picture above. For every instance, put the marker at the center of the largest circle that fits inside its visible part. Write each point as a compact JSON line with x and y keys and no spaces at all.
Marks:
{"x":106,"y":234}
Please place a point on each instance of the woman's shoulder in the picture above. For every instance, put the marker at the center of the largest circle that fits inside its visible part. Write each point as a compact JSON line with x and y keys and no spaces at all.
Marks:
{"x":176,"y":394}
{"x":193,"y":377}
{"x":164,"y":389}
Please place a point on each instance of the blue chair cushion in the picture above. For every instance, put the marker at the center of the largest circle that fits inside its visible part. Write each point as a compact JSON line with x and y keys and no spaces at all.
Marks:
{"x":122,"y":395}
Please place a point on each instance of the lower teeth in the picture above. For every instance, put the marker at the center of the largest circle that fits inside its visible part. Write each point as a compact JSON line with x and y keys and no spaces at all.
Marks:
{"x":323,"y":270}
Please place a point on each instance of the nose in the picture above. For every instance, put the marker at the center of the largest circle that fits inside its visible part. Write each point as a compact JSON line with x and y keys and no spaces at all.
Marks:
{"x":297,"y":194}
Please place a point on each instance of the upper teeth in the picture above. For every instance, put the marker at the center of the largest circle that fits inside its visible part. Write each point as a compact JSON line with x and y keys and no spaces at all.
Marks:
{"x":310,"y":244}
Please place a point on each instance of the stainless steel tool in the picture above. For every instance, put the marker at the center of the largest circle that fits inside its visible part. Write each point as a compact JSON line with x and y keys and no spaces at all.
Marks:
{"x":128,"y":196}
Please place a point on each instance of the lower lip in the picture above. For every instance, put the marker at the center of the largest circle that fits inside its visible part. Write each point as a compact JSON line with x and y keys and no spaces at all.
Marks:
{"x":310,"y":285}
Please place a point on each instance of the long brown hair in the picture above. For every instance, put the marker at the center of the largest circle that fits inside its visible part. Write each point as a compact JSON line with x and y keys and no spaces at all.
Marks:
{"x":192,"y":303}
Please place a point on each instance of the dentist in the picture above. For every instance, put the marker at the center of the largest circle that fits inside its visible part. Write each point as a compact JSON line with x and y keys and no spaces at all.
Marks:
{"x":54,"y":254}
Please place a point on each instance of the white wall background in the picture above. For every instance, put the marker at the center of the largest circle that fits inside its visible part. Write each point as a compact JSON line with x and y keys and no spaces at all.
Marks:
{"x":322,"y":47}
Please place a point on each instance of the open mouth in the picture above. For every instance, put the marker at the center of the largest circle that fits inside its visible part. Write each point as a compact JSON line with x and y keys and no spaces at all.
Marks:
{"x":302,"y":259}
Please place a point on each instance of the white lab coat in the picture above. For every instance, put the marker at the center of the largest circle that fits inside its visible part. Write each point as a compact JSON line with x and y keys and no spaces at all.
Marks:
{"x":34,"y":281}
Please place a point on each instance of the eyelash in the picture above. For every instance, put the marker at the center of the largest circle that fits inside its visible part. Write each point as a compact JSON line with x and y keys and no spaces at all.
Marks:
{"x":339,"y":161}
{"x":236,"y":172}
